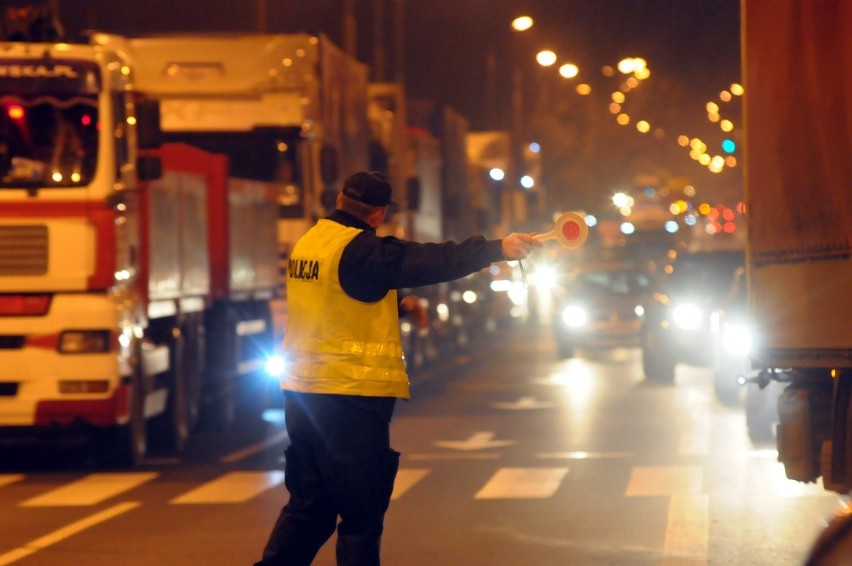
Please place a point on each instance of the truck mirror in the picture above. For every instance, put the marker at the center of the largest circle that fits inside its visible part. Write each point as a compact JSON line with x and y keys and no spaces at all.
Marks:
{"x":149,"y":167}
{"x":148,"y":133}
{"x":378,"y":158}
{"x":329,"y":164}
{"x":412,"y":193}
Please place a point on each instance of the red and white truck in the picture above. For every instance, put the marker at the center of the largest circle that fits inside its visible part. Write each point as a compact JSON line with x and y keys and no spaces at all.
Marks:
{"x":289,"y":110}
{"x":798,"y":179}
{"x":135,"y":277}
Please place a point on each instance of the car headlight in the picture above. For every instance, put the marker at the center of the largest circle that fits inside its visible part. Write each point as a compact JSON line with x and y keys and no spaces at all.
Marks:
{"x":275,"y":367}
{"x":545,"y":277}
{"x":574,"y":316}
{"x":84,"y":342}
{"x":687,"y":316}
{"x":737,"y":339}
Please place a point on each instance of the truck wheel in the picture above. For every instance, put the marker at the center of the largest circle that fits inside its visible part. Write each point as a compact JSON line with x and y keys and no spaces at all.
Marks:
{"x":125,"y":446}
{"x":761,"y":415}
{"x":658,"y":364}
{"x":565,"y":349}
{"x":172,"y":427}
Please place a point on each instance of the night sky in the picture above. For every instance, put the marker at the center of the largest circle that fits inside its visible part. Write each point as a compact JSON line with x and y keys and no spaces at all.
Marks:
{"x":447,"y":42}
{"x":691,"y":47}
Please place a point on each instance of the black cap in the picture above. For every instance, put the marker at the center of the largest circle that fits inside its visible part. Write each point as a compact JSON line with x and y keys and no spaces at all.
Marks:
{"x":368,"y":187}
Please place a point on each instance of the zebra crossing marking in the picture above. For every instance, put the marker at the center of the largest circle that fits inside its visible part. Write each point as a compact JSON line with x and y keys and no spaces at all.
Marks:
{"x":522,"y":483}
{"x":233,"y":487}
{"x":91,"y":489}
{"x":405,"y":480}
{"x":6,"y":479}
{"x":64,"y":532}
{"x":688,"y":522}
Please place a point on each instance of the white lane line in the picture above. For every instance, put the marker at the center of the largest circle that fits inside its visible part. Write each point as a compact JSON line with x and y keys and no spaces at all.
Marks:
{"x":233,"y":487}
{"x":582,"y":455}
{"x":687,"y":530}
{"x":688,"y":522}
{"x":695,"y":436}
{"x":522,"y":483}
{"x":91,"y":489}
{"x":65,"y":532}
{"x":6,"y":479}
{"x":661,"y":481}
{"x":462,"y":456}
{"x":405,"y":480}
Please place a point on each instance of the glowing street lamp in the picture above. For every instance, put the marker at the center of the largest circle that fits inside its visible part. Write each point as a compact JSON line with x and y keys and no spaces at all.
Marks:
{"x":522,"y":23}
{"x":545,"y":58}
{"x":569,"y":70}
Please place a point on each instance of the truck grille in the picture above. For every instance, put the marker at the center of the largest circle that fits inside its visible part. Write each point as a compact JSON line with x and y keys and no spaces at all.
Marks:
{"x":8,"y":389}
{"x":11,"y":342}
{"x":23,"y":250}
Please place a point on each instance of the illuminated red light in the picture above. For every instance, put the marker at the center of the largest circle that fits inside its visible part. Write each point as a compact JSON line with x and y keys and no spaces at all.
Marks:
{"x":24,"y":305}
{"x":86,"y":120}
{"x":729,"y":227}
{"x":16,"y":112}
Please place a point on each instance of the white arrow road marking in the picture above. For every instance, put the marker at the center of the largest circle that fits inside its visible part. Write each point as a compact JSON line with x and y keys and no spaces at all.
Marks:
{"x":687,"y":529}
{"x":91,"y":489}
{"x":65,"y":532}
{"x":522,"y":483}
{"x":523,"y":403}
{"x":477,"y":441}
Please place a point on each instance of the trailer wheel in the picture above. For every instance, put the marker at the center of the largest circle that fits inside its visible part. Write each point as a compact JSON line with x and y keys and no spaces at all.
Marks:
{"x":564,"y":349}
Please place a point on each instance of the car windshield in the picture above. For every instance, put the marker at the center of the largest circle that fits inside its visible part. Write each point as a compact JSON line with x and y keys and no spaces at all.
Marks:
{"x":705,"y":274}
{"x":48,"y":141}
{"x":611,"y":282}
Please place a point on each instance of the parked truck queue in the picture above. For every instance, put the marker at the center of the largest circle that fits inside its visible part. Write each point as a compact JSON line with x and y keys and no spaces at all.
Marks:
{"x":150,"y":191}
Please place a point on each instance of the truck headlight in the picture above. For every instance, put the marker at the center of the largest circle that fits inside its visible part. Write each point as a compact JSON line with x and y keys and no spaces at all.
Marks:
{"x":84,"y":342}
{"x":737,"y":339}
{"x":687,"y":316}
{"x":574,"y":316}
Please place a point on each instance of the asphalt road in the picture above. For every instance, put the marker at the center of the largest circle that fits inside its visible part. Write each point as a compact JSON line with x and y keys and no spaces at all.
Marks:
{"x":511,"y":458}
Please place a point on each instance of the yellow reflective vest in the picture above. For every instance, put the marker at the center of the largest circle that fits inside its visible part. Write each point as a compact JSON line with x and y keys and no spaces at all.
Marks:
{"x":334,"y":343}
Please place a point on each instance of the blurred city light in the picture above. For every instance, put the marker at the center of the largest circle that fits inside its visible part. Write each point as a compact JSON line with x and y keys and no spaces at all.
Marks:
{"x":522,"y":23}
{"x":569,"y":70}
{"x":545,"y":58}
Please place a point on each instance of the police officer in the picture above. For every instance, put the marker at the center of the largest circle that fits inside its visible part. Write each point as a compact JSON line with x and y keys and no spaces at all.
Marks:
{"x":346,"y":370}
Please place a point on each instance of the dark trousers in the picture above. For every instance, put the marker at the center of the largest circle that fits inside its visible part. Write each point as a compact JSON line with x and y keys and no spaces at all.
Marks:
{"x":339,"y":463}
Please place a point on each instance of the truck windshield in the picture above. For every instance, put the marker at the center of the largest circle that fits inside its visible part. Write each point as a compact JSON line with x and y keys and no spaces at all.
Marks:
{"x":710,"y":274}
{"x":48,"y":140}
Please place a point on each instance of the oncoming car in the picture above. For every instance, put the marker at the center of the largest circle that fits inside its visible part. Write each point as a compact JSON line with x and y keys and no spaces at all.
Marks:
{"x":677,"y":326}
{"x":600,"y":305}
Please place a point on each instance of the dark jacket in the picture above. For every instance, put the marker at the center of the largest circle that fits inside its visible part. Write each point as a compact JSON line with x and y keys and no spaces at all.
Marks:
{"x":372,"y":265}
